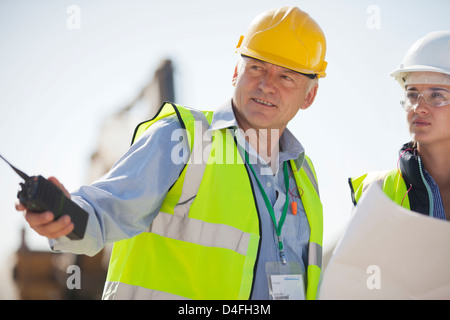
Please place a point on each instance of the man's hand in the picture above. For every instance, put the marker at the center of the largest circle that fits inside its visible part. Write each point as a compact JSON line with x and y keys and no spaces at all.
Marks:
{"x":43,"y":222}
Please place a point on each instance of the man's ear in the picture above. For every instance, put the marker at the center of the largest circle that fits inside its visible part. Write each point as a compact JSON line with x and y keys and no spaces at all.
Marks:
{"x":235,"y":75}
{"x":309,"y":98}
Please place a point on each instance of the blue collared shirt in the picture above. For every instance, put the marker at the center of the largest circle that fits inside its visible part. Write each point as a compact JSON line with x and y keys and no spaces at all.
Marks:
{"x":438,"y":206}
{"x":124,"y":202}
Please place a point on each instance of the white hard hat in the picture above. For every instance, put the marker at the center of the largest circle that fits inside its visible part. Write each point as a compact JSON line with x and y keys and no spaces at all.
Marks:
{"x":429,"y":54}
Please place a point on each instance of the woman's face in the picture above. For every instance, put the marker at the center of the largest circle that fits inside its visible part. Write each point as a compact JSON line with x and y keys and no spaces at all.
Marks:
{"x":429,"y":124}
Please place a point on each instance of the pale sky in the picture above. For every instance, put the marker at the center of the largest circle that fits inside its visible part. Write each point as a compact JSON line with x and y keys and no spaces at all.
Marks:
{"x":58,"y":83}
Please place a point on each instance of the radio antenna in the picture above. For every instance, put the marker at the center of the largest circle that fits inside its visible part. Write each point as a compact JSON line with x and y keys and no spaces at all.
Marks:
{"x":20,"y":173}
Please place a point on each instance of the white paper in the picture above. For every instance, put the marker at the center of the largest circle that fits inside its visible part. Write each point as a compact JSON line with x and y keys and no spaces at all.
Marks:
{"x":388,"y":252}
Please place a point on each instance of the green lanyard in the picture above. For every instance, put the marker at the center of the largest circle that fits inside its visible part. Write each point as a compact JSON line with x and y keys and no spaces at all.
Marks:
{"x":280,"y":223}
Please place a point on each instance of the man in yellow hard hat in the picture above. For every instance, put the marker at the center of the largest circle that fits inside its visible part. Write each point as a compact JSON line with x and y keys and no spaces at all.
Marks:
{"x":216,"y":205}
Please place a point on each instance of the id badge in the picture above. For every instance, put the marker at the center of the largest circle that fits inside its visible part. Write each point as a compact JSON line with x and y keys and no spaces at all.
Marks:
{"x":285,"y":281}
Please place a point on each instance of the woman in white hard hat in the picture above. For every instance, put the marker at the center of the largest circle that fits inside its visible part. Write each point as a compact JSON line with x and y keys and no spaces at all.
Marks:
{"x":421,"y":181}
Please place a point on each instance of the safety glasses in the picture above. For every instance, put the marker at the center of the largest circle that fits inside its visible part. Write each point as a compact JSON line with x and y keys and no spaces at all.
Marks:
{"x":436,"y":97}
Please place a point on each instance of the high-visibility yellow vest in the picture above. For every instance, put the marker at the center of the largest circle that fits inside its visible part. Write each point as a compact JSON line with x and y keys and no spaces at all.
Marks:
{"x":392,"y":184}
{"x":204,"y":242}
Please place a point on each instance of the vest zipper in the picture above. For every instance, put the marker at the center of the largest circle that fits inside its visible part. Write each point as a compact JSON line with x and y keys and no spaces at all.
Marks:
{"x":430,"y":194}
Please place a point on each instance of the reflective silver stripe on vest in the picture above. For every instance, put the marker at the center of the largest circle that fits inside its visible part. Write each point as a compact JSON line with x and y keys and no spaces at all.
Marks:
{"x":315,"y":254}
{"x":200,"y":232}
{"x":196,"y":165}
{"x":121,"y":291}
{"x":310,"y":175}
{"x":179,"y":226}
{"x":302,"y":162}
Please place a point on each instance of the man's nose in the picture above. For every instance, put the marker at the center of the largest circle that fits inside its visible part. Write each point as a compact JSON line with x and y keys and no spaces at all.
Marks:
{"x":268,"y":82}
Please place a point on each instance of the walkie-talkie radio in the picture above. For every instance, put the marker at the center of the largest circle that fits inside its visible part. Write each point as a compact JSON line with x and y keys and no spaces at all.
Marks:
{"x":38,"y":194}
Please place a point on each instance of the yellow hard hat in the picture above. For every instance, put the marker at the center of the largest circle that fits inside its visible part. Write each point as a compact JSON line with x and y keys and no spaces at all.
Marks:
{"x":287,"y":37}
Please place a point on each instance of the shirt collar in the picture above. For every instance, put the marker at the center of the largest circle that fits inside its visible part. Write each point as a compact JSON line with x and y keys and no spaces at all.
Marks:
{"x":223,"y":117}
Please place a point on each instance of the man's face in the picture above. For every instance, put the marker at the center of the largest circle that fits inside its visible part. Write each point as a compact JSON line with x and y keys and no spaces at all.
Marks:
{"x":429,"y":124}
{"x":267,"y":96}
